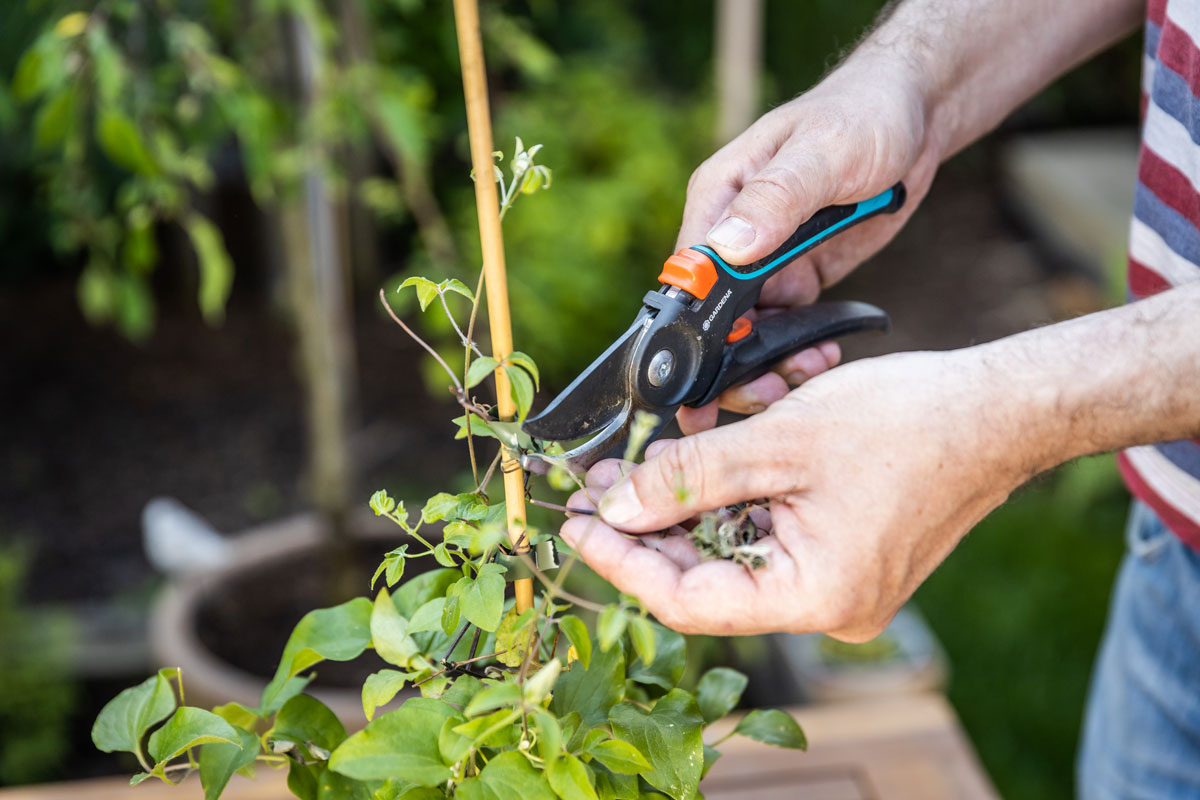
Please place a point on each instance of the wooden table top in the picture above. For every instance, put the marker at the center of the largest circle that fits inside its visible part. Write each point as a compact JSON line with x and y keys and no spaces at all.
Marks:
{"x":898,"y":748}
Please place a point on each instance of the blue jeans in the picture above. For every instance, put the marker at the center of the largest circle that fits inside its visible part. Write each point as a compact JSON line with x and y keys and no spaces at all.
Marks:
{"x":1141,"y":734}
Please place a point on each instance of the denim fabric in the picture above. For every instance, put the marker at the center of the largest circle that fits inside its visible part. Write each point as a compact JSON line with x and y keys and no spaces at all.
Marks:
{"x":1141,"y":735}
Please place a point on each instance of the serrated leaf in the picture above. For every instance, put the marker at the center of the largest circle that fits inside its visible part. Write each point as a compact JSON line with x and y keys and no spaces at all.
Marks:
{"x":718,"y":692}
{"x":380,"y":688}
{"x":479,"y":370}
{"x":426,"y":290}
{"x":441,"y":506}
{"x":121,"y":142}
{"x":669,"y":738}
{"x":644,"y":641}
{"x":216,"y":267}
{"x":772,"y":726}
{"x":218,"y":762}
{"x":610,"y":625}
{"x":619,"y":756}
{"x":398,"y":744}
{"x":577,"y":634}
{"x":125,"y":719}
{"x":570,"y":779}
{"x":189,"y":727}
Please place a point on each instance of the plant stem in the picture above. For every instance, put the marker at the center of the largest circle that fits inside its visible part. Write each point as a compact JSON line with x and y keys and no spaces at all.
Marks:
{"x":565,"y":509}
{"x":420,"y":341}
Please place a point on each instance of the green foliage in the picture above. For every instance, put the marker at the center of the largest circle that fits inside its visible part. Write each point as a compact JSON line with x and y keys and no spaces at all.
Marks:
{"x":36,"y":694}
{"x":531,"y":705}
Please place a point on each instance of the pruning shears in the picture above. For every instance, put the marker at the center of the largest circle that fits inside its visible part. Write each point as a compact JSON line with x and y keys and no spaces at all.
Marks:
{"x":690,"y":341}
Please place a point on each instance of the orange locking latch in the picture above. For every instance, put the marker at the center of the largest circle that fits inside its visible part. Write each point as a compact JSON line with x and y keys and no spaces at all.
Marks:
{"x":741,"y":329}
{"x":691,"y":271}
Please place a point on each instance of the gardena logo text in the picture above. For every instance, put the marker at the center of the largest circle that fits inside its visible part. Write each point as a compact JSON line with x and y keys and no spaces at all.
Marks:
{"x":717,"y":310}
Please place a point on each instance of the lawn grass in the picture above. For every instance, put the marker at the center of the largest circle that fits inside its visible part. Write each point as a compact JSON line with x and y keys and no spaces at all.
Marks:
{"x":1020,"y":607}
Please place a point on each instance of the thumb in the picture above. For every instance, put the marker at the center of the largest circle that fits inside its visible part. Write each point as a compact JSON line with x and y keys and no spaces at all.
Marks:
{"x":789,"y":189}
{"x":698,"y":473}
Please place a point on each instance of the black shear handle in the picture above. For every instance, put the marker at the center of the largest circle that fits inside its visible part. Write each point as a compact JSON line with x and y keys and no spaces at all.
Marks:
{"x":773,"y":338}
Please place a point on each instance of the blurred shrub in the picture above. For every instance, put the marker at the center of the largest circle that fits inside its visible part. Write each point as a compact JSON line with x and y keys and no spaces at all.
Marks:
{"x":36,"y":694}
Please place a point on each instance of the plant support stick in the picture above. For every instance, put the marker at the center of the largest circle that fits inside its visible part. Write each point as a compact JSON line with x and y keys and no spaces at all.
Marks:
{"x":487,"y":204}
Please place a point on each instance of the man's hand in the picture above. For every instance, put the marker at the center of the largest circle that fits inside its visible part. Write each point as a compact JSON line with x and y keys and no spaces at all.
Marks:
{"x":875,"y":470}
{"x":872,"y":476}
{"x":853,"y":136}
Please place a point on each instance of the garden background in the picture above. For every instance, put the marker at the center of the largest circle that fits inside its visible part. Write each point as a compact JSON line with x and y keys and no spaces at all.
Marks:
{"x":153,"y":213}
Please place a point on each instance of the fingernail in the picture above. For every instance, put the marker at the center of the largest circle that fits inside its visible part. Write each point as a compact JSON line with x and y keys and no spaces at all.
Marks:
{"x":797,"y":377}
{"x":755,"y":408}
{"x":732,"y":232}
{"x":620,"y":504}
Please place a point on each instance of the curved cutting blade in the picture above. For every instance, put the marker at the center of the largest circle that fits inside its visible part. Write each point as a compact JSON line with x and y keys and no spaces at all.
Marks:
{"x":594,"y":399}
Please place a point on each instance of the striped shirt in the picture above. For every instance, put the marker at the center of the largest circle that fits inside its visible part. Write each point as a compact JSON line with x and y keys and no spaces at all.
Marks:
{"x":1164,"y":238}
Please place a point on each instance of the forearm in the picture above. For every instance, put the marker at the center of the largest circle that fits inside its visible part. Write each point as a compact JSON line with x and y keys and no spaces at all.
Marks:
{"x":974,"y":61}
{"x":1115,"y":379}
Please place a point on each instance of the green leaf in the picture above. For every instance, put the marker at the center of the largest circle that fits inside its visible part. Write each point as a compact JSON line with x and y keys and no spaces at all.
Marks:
{"x":669,"y":738}
{"x":591,"y":691}
{"x":512,"y":640}
{"x":125,"y":719}
{"x":610,"y":625}
{"x":644,"y":641}
{"x":216,"y":268}
{"x":340,"y":633}
{"x":711,"y":754}
{"x":549,"y":735}
{"x":187,"y":728}
{"x":28,"y":79}
{"x":525,"y":362}
{"x":389,"y":632}
{"x":381,"y":503}
{"x":499,"y":695}
{"x":426,"y":290}
{"x":479,"y":370}
{"x":482,"y":597}
{"x":577,"y":634}
{"x":492,"y":730}
{"x":441,"y":506}
{"x":302,"y":779}
{"x":443,"y":556}
{"x":772,"y":726}
{"x":612,"y":786}
{"x":398,"y":744}
{"x":619,"y":756}
{"x":462,"y":690}
{"x":453,"y":745}
{"x":380,"y":687}
{"x":570,"y":779}
{"x":451,"y":613}
{"x":237,"y":715}
{"x":479,"y":427}
{"x":669,"y":661}
{"x":538,"y":686}
{"x":507,"y":776}
{"x":121,"y":142}
{"x":455,"y":285}
{"x":428,"y":617}
{"x":218,"y":761}
{"x":392,"y":566}
{"x":306,"y":720}
{"x":719,"y":691}
{"x":522,"y":390}
{"x":54,"y":118}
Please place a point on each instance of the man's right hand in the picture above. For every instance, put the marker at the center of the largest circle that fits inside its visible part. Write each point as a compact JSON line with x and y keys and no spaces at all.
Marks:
{"x":855,"y":134}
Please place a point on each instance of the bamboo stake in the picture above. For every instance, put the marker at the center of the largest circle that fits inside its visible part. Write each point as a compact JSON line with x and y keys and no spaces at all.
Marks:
{"x":487,"y":204}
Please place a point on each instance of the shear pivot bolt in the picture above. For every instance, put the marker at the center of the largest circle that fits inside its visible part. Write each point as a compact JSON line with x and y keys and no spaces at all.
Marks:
{"x":660,"y":367}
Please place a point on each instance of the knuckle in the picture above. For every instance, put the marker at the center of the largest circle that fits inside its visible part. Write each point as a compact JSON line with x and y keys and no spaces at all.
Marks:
{"x":775,"y":188}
